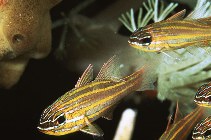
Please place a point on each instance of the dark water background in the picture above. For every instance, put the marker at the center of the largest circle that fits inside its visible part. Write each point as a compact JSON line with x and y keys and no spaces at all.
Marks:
{"x":45,"y":80}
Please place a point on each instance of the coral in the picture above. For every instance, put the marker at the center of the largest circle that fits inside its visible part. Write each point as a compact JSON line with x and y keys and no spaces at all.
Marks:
{"x":182,"y":71}
{"x":178,"y":74}
{"x":25,"y":30}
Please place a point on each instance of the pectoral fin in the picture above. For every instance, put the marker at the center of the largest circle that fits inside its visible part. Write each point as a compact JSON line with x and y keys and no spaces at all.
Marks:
{"x":92,"y":129}
{"x":109,"y":114}
{"x":86,"y":77}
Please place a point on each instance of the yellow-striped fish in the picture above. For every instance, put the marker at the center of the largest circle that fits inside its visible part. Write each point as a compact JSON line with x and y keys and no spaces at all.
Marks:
{"x":89,"y":100}
{"x":173,"y":33}
{"x":202,"y":130}
{"x":203,"y":95}
{"x":181,"y":128}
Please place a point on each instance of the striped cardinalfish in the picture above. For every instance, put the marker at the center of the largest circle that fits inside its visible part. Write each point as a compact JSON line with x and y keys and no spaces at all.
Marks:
{"x":173,"y":33}
{"x":181,"y":127}
{"x":89,"y":100}
{"x":202,"y":130}
{"x":203,"y":95}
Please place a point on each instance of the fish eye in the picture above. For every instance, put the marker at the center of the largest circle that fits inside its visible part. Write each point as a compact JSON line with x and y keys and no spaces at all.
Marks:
{"x":61,"y":119}
{"x":146,"y":40}
{"x":207,"y":134}
{"x":209,"y":98}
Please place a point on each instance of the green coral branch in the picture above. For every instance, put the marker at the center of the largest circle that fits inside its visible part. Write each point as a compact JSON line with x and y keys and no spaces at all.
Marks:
{"x":128,"y":20}
{"x":153,"y":13}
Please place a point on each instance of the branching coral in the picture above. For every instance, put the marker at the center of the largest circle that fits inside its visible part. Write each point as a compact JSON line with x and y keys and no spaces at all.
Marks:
{"x":155,"y":12}
{"x":180,"y":72}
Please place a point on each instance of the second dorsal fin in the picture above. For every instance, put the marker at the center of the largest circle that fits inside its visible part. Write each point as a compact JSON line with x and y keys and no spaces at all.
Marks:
{"x":86,"y":77}
{"x":178,"y":16}
{"x":110,"y":70}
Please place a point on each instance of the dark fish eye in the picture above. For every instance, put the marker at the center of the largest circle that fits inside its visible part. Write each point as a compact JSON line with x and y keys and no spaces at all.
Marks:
{"x":146,"y":41}
{"x":207,"y":134}
{"x":209,"y":98}
{"x":61,"y":119}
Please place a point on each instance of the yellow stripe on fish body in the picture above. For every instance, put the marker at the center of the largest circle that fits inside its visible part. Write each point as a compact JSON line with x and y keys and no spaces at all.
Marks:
{"x":171,"y":34}
{"x":181,"y":127}
{"x":77,"y":109}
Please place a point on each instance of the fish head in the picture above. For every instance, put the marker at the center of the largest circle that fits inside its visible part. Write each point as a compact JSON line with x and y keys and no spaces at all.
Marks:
{"x":203,"y":95}
{"x":60,"y":119}
{"x":147,"y":38}
{"x":156,"y":37}
{"x":202,"y":130}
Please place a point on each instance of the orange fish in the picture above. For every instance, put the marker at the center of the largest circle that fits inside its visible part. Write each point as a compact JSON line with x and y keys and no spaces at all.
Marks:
{"x":174,"y":33}
{"x":89,"y":100}
{"x":203,"y":95}
{"x":202,"y":130}
{"x":180,"y":129}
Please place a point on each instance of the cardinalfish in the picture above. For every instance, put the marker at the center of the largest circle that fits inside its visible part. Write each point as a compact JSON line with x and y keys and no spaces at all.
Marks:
{"x":173,"y":33}
{"x":202,"y":130}
{"x":181,"y":127}
{"x":203,"y":95}
{"x":89,"y":100}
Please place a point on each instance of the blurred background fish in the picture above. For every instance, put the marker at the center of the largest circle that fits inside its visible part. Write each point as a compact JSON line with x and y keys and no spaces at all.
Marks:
{"x":203,"y":95}
{"x":173,"y":33}
{"x":202,"y":130}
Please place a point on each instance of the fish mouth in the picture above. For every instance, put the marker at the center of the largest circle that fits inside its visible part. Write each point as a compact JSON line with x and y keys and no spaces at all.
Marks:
{"x":141,"y":48}
{"x":203,"y":104}
{"x":48,"y":131}
{"x":40,"y":128}
{"x":45,"y":127}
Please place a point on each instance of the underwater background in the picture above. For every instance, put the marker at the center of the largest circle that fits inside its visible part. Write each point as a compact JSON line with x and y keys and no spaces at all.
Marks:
{"x":46,"y":80}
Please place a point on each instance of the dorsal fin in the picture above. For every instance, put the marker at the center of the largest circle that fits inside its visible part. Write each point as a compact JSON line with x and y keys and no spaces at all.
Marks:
{"x":86,"y":77}
{"x":205,"y":21}
{"x":169,"y":124}
{"x":178,"y":116}
{"x":178,"y":16}
{"x":197,"y":13}
{"x":109,"y":70}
